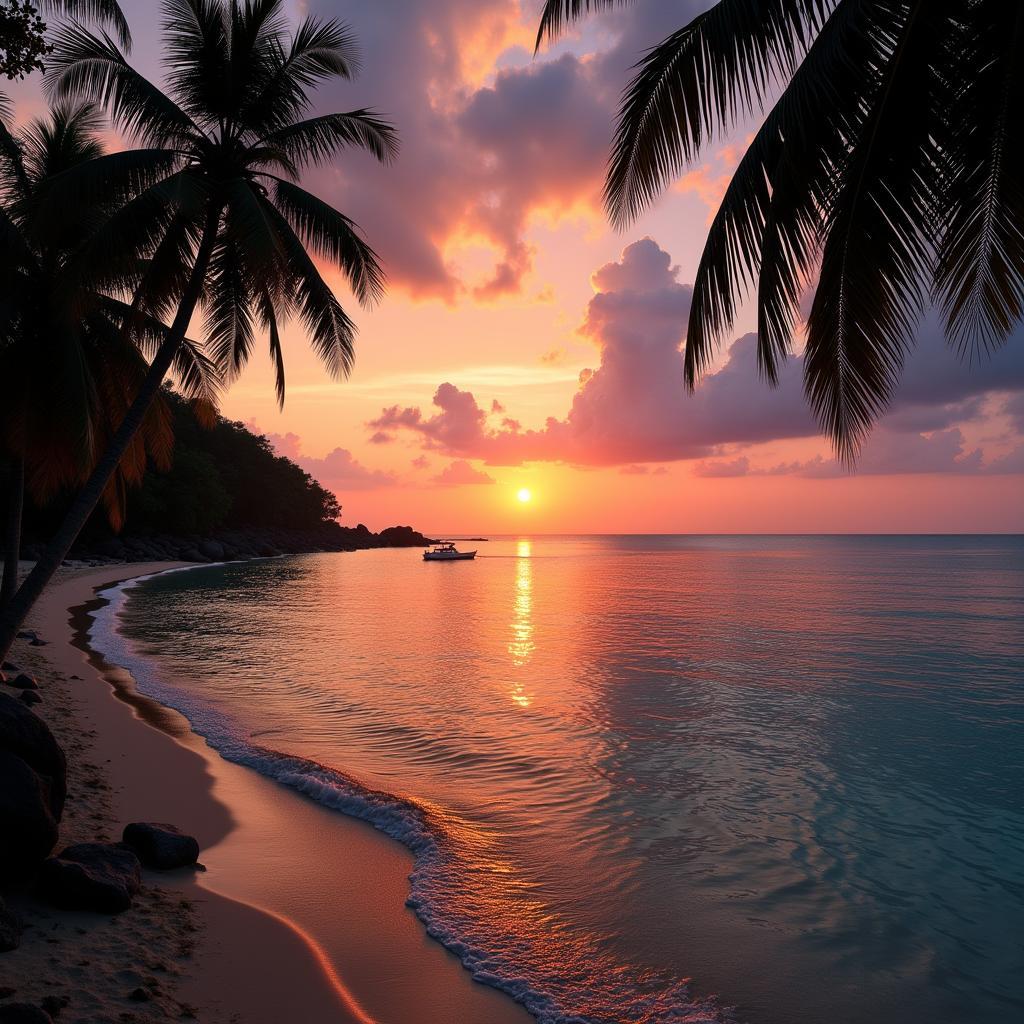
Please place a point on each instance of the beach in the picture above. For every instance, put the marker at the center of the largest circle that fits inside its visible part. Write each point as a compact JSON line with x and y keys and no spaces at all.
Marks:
{"x":209,"y":945}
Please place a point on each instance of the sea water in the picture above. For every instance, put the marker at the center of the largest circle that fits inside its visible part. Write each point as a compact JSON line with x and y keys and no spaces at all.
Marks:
{"x":649,"y":778}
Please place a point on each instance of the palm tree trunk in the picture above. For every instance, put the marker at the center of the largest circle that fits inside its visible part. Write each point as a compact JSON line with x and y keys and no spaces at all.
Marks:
{"x":15,"y":612}
{"x":12,"y":532}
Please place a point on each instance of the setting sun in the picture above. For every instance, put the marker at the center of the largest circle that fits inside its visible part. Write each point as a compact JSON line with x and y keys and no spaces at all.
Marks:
{"x":523,"y":494}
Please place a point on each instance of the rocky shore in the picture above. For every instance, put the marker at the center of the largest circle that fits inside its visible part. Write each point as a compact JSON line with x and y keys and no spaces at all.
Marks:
{"x":231,"y":545}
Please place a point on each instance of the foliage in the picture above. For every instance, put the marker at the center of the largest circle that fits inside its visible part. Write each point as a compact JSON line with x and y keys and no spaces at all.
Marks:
{"x":22,"y":39}
{"x":219,"y":477}
{"x":70,"y":355}
{"x":888,"y":173}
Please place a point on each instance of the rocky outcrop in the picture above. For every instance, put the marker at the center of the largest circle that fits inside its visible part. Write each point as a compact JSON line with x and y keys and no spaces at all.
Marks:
{"x":161,"y":846}
{"x":91,"y":876}
{"x":34,"y":774}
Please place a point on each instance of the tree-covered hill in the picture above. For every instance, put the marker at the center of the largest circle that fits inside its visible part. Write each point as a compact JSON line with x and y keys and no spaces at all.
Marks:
{"x":226,"y":494}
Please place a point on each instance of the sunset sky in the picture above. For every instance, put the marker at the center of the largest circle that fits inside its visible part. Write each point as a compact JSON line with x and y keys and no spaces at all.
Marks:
{"x":524,"y":343}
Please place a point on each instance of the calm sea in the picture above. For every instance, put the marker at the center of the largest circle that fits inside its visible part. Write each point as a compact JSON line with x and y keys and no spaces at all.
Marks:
{"x":640,"y":771}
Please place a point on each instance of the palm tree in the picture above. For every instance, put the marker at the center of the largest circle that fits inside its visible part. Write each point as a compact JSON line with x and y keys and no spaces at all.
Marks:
{"x":888,"y":173}
{"x":70,"y":356}
{"x":213,"y":190}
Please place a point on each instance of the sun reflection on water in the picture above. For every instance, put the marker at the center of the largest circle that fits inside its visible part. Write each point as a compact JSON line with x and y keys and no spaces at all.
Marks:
{"x":522,"y":645}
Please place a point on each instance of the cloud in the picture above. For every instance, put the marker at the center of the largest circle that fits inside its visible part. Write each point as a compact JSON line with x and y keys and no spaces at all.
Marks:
{"x":721,"y":468}
{"x":459,"y":425}
{"x":483,"y":154}
{"x":460,"y":473}
{"x":339,"y":470}
{"x":887,"y":452}
{"x":632,"y":407}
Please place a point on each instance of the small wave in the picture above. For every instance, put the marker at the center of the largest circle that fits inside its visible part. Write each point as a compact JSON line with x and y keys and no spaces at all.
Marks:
{"x":558,"y":974}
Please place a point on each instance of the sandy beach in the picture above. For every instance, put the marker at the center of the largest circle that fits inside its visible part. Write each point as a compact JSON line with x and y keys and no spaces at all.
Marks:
{"x":239,"y":941}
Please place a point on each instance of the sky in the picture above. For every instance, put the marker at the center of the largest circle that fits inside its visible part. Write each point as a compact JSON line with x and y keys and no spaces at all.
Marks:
{"x":524,"y":343}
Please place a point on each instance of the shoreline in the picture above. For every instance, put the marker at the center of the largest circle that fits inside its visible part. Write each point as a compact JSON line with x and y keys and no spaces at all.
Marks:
{"x":259,"y":961}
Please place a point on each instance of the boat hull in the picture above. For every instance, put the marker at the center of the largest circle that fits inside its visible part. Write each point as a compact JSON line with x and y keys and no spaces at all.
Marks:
{"x":448,"y":556}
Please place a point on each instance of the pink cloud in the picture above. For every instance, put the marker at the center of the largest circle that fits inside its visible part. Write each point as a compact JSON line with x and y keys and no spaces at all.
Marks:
{"x":338,"y":470}
{"x":632,"y":407}
{"x":461,"y":473}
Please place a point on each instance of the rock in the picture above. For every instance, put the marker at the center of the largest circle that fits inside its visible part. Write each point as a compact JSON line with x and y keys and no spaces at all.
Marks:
{"x":34,"y":775}
{"x":9,"y":666}
{"x":37,"y":642}
{"x":139,"y":995}
{"x":22,"y":681}
{"x":91,"y":876}
{"x":212,"y":549}
{"x":30,"y":697}
{"x":23,"y":1013}
{"x":161,"y":846}
{"x":28,"y":829}
{"x":10,"y":928}
{"x":26,"y":735}
{"x":27,"y":634}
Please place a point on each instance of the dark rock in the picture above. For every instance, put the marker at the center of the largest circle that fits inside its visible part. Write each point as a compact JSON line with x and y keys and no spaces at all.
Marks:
{"x":9,"y":666}
{"x":26,"y":735}
{"x":34,"y":775}
{"x":161,"y":846}
{"x":23,"y":1013}
{"x":28,"y":829}
{"x":139,"y":995}
{"x":6,"y":991}
{"x":27,"y":634}
{"x":212,"y":549}
{"x":38,"y":643}
{"x":22,"y":681}
{"x":54,"y":1004}
{"x":10,"y":928}
{"x":91,"y":876}
{"x":30,"y":697}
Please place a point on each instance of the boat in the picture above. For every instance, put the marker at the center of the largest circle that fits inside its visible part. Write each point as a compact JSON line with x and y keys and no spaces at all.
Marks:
{"x":445,"y":551}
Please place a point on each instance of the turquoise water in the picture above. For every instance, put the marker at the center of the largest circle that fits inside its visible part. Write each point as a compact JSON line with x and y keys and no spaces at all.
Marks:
{"x":641,"y":772}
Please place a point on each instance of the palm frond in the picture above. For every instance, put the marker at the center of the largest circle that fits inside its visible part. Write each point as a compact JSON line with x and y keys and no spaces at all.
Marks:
{"x":331,"y":330}
{"x":875,"y":259}
{"x":92,"y":67}
{"x":558,"y":13}
{"x":268,"y":318}
{"x":101,"y":12}
{"x":979,"y":275}
{"x":319,"y":139}
{"x":228,"y":303}
{"x":318,"y":50}
{"x":768,"y":227}
{"x":697,"y":82}
{"x":197,"y":34}
{"x":334,"y":237}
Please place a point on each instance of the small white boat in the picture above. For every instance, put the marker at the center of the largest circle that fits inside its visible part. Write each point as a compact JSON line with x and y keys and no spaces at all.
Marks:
{"x":446,"y":552}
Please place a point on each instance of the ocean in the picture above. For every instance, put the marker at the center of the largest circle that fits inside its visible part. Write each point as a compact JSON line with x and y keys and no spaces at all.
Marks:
{"x":774,"y":780}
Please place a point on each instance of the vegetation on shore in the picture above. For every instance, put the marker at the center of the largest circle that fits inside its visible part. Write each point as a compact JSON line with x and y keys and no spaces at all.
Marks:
{"x":220,"y":477}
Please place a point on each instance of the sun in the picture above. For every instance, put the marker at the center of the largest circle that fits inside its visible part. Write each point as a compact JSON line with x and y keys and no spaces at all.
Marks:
{"x":523,"y":494}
